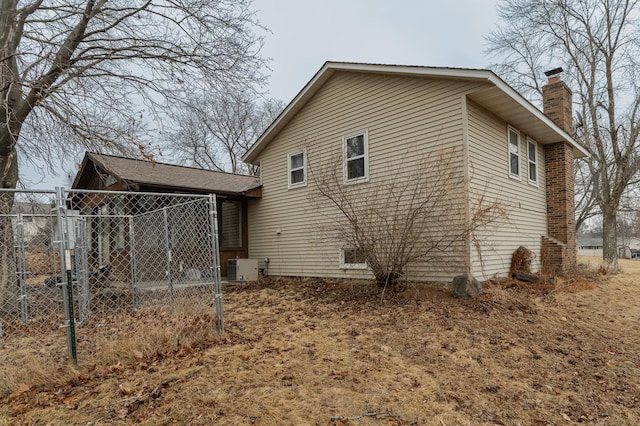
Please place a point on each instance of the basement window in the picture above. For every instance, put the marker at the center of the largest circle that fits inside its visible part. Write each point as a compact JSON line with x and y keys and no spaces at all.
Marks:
{"x":514,"y":152}
{"x":352,"y":258}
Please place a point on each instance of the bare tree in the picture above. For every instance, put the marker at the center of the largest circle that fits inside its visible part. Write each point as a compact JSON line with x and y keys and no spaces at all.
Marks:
{"x":598,"y":44}
{"x":215,"y":129}
{"x":586,"y":206}
{"x":92,"y":73}
{"x":422,"y":215}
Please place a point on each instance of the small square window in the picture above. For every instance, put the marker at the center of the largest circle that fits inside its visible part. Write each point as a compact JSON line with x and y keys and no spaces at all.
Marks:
{"x":352,"y":258}
{"x":356,"y":162}
{"x":297,"y":169}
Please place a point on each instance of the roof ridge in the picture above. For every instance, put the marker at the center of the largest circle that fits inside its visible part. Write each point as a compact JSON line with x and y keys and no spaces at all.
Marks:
{"x":386,"y":64}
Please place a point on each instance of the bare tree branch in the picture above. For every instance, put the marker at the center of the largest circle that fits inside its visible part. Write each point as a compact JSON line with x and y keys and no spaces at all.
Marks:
{"x":597,"y":42}
{"x":401,"y":220}
{"x":214,"y":129}
{"x":74,"y":75}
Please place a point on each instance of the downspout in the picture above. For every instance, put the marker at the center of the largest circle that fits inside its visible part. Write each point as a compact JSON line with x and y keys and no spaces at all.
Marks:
{"x":467,"y":182}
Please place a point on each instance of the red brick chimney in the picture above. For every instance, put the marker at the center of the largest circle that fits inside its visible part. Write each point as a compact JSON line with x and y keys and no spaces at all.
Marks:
{"x":559,"y":246}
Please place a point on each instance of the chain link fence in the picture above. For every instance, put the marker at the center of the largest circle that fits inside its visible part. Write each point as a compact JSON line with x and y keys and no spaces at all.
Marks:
{"x":86,"y":264}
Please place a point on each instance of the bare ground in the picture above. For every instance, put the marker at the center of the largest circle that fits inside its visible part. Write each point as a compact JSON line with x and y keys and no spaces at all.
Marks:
{"x":322,"y":353}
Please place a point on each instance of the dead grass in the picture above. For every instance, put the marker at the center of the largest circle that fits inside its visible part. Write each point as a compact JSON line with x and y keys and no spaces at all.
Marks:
{"x":123,"y":342}
{"x":25,"y":371}
{"x":324,"y":352}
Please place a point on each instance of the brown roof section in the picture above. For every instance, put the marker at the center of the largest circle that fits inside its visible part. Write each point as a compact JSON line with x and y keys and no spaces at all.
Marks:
{"x":134,"y":172}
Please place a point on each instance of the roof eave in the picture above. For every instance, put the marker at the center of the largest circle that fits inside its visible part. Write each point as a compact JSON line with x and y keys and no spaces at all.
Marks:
{"x":83,"y":166}
{"x":186,"y":189}
{"x":306,"y":92}
{"x":579,"y":150}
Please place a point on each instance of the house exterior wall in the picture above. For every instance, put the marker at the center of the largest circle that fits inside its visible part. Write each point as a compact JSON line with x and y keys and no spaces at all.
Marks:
{"x":524,"y":202}
{"x":406,"y":119}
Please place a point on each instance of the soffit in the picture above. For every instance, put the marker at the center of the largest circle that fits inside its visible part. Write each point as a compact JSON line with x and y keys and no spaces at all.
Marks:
{"x":494,"y":100}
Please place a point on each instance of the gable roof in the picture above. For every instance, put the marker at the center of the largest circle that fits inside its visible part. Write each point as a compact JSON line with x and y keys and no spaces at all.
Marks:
{"x":133,"y":172}
{"x":497,"y":97}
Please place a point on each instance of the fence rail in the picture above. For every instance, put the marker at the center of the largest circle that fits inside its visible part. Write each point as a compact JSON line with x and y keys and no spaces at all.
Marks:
{"x":70,"y":258}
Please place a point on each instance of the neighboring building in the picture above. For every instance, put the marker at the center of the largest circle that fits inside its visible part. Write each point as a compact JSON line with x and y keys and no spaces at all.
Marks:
{"x":591,"y":245}
{"x":380,"y":120}
{"x":632,"y":248}
{"x":106,"y":172}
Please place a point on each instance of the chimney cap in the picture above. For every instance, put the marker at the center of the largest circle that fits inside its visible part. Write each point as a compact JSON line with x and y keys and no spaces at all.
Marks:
{"x":553,"y":72}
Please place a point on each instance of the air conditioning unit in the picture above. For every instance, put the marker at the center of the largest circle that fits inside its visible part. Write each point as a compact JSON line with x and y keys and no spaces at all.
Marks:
{"x":242,"y":270}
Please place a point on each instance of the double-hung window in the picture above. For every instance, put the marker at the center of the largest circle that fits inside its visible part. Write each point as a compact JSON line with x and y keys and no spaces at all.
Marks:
{"x":514,"y":153}
{"x":297,"y":169}
{"x":532,"y":157}
{"x":356,"y":161}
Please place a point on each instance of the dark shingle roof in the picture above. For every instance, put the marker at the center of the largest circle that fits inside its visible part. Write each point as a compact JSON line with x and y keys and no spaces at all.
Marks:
{"x":142,"y":172}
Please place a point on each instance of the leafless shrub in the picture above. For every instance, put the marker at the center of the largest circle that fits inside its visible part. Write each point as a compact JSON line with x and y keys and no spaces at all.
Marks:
{"x":416,"y":212}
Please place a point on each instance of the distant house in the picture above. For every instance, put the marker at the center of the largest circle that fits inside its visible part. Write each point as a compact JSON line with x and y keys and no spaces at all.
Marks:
{"x":112,"y":173}
{"x":592,"y":245}
{"x":632,"y":247}
{"x":589,"y":245}
{"x":382,"y":118}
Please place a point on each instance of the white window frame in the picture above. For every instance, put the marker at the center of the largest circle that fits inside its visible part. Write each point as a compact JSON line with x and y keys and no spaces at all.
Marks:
{"x":344,"y":265}
{"x":303,"y":168}
{"x":535,"y":180}
{"x":512,"y":175}
{"x":346,"y":160}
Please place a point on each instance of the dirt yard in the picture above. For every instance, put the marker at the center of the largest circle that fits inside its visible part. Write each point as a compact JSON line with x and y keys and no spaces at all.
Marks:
{"x":314,"y":353}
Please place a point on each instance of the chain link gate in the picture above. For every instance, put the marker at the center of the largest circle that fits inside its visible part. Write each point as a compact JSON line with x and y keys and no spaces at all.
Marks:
{"x":79,"y":260}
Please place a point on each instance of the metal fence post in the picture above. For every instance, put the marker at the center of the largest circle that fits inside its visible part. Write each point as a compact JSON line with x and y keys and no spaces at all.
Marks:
{"x":21,"y":269}
{"x":213,"y":219}
{"x":167,"y":233}
{"x":132,"y":261}
{"x":67,"y":288}
{"x":82,"y":269}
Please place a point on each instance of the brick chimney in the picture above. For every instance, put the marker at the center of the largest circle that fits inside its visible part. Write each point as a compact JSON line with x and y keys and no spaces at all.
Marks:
{"x":559,"y":246}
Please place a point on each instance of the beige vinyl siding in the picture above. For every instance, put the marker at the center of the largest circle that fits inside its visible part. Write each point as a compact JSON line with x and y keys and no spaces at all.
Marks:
{"x":525,"y":203}
{"x":406,"y":119}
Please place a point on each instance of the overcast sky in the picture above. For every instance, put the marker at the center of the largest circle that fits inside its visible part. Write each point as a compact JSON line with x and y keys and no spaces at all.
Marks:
{"x":305,"y":34}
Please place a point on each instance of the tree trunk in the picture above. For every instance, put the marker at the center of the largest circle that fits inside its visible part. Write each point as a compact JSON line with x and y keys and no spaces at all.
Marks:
{"x":8,"y":179}
{"x":8,"y":175}
{"x":609,"y":239}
